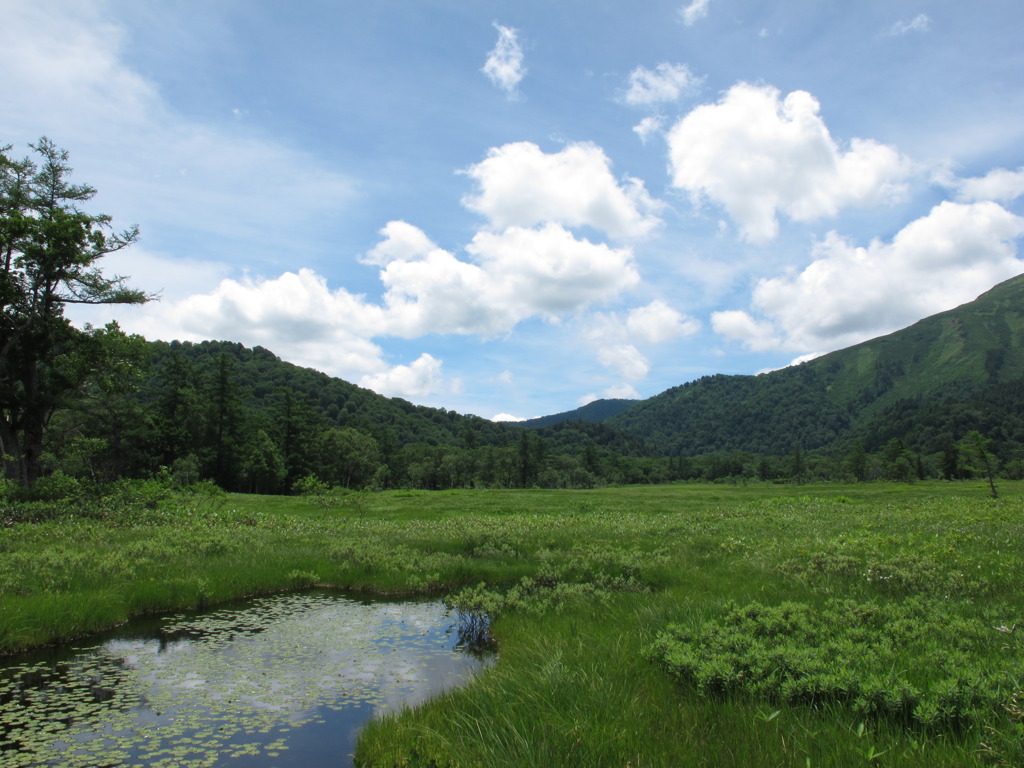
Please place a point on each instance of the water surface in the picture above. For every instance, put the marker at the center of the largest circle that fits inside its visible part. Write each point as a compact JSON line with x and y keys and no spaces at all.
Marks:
{"x":281,"y":681}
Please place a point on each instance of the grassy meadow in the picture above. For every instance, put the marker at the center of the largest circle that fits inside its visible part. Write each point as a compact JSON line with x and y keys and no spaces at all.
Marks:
{"x":760,"y":625}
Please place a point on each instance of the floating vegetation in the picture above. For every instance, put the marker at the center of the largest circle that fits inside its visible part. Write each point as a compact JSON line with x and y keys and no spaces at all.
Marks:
{"x":287,"y":673}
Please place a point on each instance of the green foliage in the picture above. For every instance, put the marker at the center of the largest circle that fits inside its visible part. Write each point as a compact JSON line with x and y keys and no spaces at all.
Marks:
{"x":915,"y":662}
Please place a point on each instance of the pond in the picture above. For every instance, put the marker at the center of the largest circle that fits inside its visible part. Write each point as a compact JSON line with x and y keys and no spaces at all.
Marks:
{"x":280,"y":681}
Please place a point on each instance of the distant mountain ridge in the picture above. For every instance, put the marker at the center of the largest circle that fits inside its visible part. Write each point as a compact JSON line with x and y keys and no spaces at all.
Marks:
{"x":595,"y":412}
{"x":927,"y":385}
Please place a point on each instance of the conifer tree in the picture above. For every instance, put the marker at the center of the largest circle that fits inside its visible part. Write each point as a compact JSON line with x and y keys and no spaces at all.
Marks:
{"x":49,"y":249}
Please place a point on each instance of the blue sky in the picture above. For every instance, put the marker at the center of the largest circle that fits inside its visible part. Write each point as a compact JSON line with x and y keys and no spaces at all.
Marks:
{"x":515,"y":208}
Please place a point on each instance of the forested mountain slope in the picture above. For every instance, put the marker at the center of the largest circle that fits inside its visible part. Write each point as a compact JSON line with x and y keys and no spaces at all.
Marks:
{"x":252,"y":422}
{"x":926,"y":385}
{"x":265,"y":382}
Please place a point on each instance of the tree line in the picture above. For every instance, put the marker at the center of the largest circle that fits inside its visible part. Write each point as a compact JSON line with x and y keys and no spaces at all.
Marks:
{"x":250,"y":422}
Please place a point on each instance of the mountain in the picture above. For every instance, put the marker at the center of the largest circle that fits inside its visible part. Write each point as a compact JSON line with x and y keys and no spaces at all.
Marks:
{"x":926,"y":385}
{"x":594,"y":412}
{"x":251,"y":422}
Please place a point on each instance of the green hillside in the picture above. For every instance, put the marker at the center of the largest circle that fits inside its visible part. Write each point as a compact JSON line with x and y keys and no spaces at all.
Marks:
{"x":926,"y":385}
{"x":249,"y":421}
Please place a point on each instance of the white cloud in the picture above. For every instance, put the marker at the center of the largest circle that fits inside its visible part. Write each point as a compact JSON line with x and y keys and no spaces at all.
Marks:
{"x":504,"y":65}
{"x":519,"y":185}
{"x":647,"y":128}
{"x":849,"y":294}
{"x":694,"y":12}
{"x":614,"y":338}
{"x":622,"y":392}
{"x":919,"y":24}
{"x":657,"y":322}
{"x":624,"y":359}
{"x":757,"y":155}
{"x":438,"y":293}
{"x":323,"y":329}
{"x":402,"y":242}
{"x":420,"y":378}
{"x":61,"y":58}
{"x":737,"y":324}
{"x":1001,"y":184}
{"x":516,"y":274}
{"x":506,"y":417}
{"x":614,"y":392}
{"x":666,"y":82}
{"x":547,"y":271}
{"x":608,"y":336}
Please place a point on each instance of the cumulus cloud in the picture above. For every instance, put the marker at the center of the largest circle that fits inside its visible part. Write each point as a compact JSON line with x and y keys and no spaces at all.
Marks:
{"x":694,"y":12}
{"x":758,"y":154}
{"x":549,"y":271}
{"x":622,"y":392}
{"x":737,"y":324}
{"x":614,"y":392}
{"x":401,"y":242}
{"x":1000,"y":184}
{"x":918,"y":24}
{"x":325,"y":329}
{"x":615,"y":337}
{"x":329,"y":330}
{"x":658,"y":322}
{"x":504,"y":65}
{"x":666,"y":82}
{"x":647,"y":127}
{"x":506,"y":417}
{"x":520,"y":185}
{"x":515,"y":274}
{"x":510,"y":273}
{"x":624,"y":359}
{"x":420,"y":378}
{"x":852,"y":293}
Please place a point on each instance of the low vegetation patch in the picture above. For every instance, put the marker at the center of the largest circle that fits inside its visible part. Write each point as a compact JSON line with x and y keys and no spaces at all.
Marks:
{"x":919,"y":662}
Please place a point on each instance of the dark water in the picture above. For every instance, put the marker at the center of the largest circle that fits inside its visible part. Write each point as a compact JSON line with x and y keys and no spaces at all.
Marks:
{"x":281,"y":681}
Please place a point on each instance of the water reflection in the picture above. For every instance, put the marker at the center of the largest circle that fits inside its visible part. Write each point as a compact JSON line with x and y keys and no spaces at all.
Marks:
{"x":287,"y":680}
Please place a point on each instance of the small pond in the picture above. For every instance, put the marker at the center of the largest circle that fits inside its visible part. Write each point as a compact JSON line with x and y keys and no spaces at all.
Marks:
{"x":279,"y":681}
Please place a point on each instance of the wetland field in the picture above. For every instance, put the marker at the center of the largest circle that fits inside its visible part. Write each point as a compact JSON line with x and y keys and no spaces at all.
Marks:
{"x":674,"y":625}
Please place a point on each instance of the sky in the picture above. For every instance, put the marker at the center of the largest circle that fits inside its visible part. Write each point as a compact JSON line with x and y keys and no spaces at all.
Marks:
{"x":512,"y":209}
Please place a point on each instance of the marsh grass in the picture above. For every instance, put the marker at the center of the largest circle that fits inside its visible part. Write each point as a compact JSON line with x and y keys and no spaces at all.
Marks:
{"x":589,"y":593}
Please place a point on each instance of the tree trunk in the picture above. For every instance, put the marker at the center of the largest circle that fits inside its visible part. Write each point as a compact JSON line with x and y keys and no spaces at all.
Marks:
{"x":10,"y":450}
